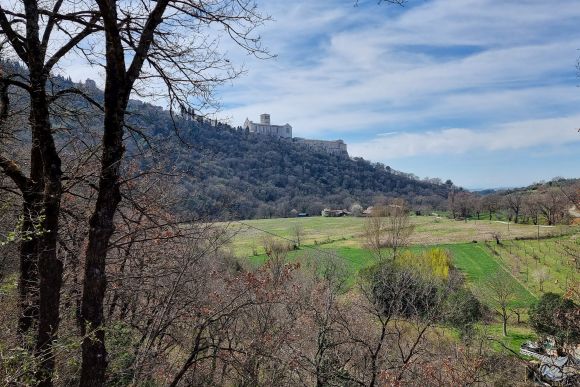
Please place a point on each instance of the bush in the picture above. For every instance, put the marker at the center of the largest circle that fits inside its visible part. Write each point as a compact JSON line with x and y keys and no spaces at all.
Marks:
{"x":463,"y":310}
{"x":556,"y":316}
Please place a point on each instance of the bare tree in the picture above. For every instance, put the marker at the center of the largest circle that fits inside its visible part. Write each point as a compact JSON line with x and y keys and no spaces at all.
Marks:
{"x":373,"y":230}
{"x":514,"y":201}
{"x":552,"y":204}
{"x":490,"y":204}
{"x":356,"y":210}
{"x":297,"y":234}
{"x":531,"y":208}
{"x":165,"y":41}
{"x":464,"y":204}
{"x":500,"y":290}
{"x":388,"y":226}
{"x":541,"y":275}
{"x":398,"y":227}
{"x":401,"y":305}
{"x":29,"y":31}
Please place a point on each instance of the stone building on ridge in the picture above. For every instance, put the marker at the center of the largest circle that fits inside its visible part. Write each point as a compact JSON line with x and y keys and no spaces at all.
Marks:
{"x":265,"y":127}
{"x":336,"y":147}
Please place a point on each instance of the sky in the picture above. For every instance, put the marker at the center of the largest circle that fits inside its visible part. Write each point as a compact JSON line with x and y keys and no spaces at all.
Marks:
{"x":485,"y":93}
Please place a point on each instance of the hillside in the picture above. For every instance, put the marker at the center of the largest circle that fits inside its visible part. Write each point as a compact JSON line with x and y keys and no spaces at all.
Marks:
{"x":256,"y":176}
{"x":232,"y":174}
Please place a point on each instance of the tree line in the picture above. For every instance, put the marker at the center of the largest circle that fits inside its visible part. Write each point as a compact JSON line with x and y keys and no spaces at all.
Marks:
{"x":549,"y":203}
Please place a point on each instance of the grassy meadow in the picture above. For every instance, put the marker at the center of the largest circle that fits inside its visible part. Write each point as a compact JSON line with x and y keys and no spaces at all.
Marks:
{"x":249,"y":235}
{"x":532,"y":265}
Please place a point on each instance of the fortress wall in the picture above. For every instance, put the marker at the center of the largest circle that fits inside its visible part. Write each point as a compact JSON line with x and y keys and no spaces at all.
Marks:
{"x":337,"y":147}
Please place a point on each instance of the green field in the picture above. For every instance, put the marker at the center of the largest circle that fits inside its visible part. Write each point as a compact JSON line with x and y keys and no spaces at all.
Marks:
{"x":247,"y":236}
{"x":519,"y":260}
{"x":478,"y":264}
{"x":530,"y":260}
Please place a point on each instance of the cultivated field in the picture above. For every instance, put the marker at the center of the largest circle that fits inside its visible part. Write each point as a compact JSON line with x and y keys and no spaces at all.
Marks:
{"x":534,"y":265}
{"x":248,"y":235}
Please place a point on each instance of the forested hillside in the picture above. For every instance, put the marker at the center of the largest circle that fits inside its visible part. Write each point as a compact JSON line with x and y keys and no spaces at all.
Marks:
{"x":226,"y":172}
{"x":259,"y":176}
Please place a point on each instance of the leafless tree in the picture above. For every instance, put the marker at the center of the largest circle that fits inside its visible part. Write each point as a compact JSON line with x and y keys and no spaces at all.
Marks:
{"x":297,"y":234}
{"x":552,"y":204}
{"x":531,"y":208}
{"x":30,"y":32}
{"x":541,"y":275}
{"x":373,"y":230}
{"x":388,"y":226}
{"x":165,"y":41}
{"x":398,"y":226}
{"x":490,"y":204}
{"x":356,"y":209}
{"x":501,"y":291}
{"x":514,"y":202}
{"x":403,"y":306}
{"x":463,"y":204}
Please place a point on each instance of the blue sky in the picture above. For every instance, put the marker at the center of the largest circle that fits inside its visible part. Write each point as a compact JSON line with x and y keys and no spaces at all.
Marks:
{"x":482,"y":92}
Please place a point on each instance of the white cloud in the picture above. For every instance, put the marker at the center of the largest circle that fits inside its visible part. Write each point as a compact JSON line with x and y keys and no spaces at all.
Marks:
{"x":377,"y":75}
{"x":512,"y":136}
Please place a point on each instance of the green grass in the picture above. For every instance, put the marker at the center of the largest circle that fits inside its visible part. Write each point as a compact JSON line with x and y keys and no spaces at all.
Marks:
{"x":517,"y":335}
{"x":478,"y":264}
{"x":526,"y":259}
{"x":519,"y":260}
{"x":354,"y":259}
{"x":474,"y":260}
{"x":248,"y":236}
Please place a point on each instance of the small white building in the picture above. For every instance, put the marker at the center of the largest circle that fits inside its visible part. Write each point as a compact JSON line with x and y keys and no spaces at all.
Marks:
{"x":265,"y":127}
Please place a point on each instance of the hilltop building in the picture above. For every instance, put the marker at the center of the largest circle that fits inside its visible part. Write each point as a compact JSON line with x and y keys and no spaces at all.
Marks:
{"x":337,"y":147}
{"x":265,"y":127}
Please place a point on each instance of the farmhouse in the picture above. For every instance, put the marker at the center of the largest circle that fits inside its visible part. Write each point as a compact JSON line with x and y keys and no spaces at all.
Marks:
{"x":327,"y":212}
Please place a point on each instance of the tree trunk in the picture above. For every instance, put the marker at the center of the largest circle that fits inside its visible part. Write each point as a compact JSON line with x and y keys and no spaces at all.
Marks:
{"x":504,"y":325}
{"x":94,"y":361}
{"x":94,"y":353}
{"x":50,"y":267}
{"x":118,"y":87}
{"x":28,"y":279}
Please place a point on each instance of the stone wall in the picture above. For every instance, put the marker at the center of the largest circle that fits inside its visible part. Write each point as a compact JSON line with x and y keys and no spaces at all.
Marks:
{"x":337,"y":147}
